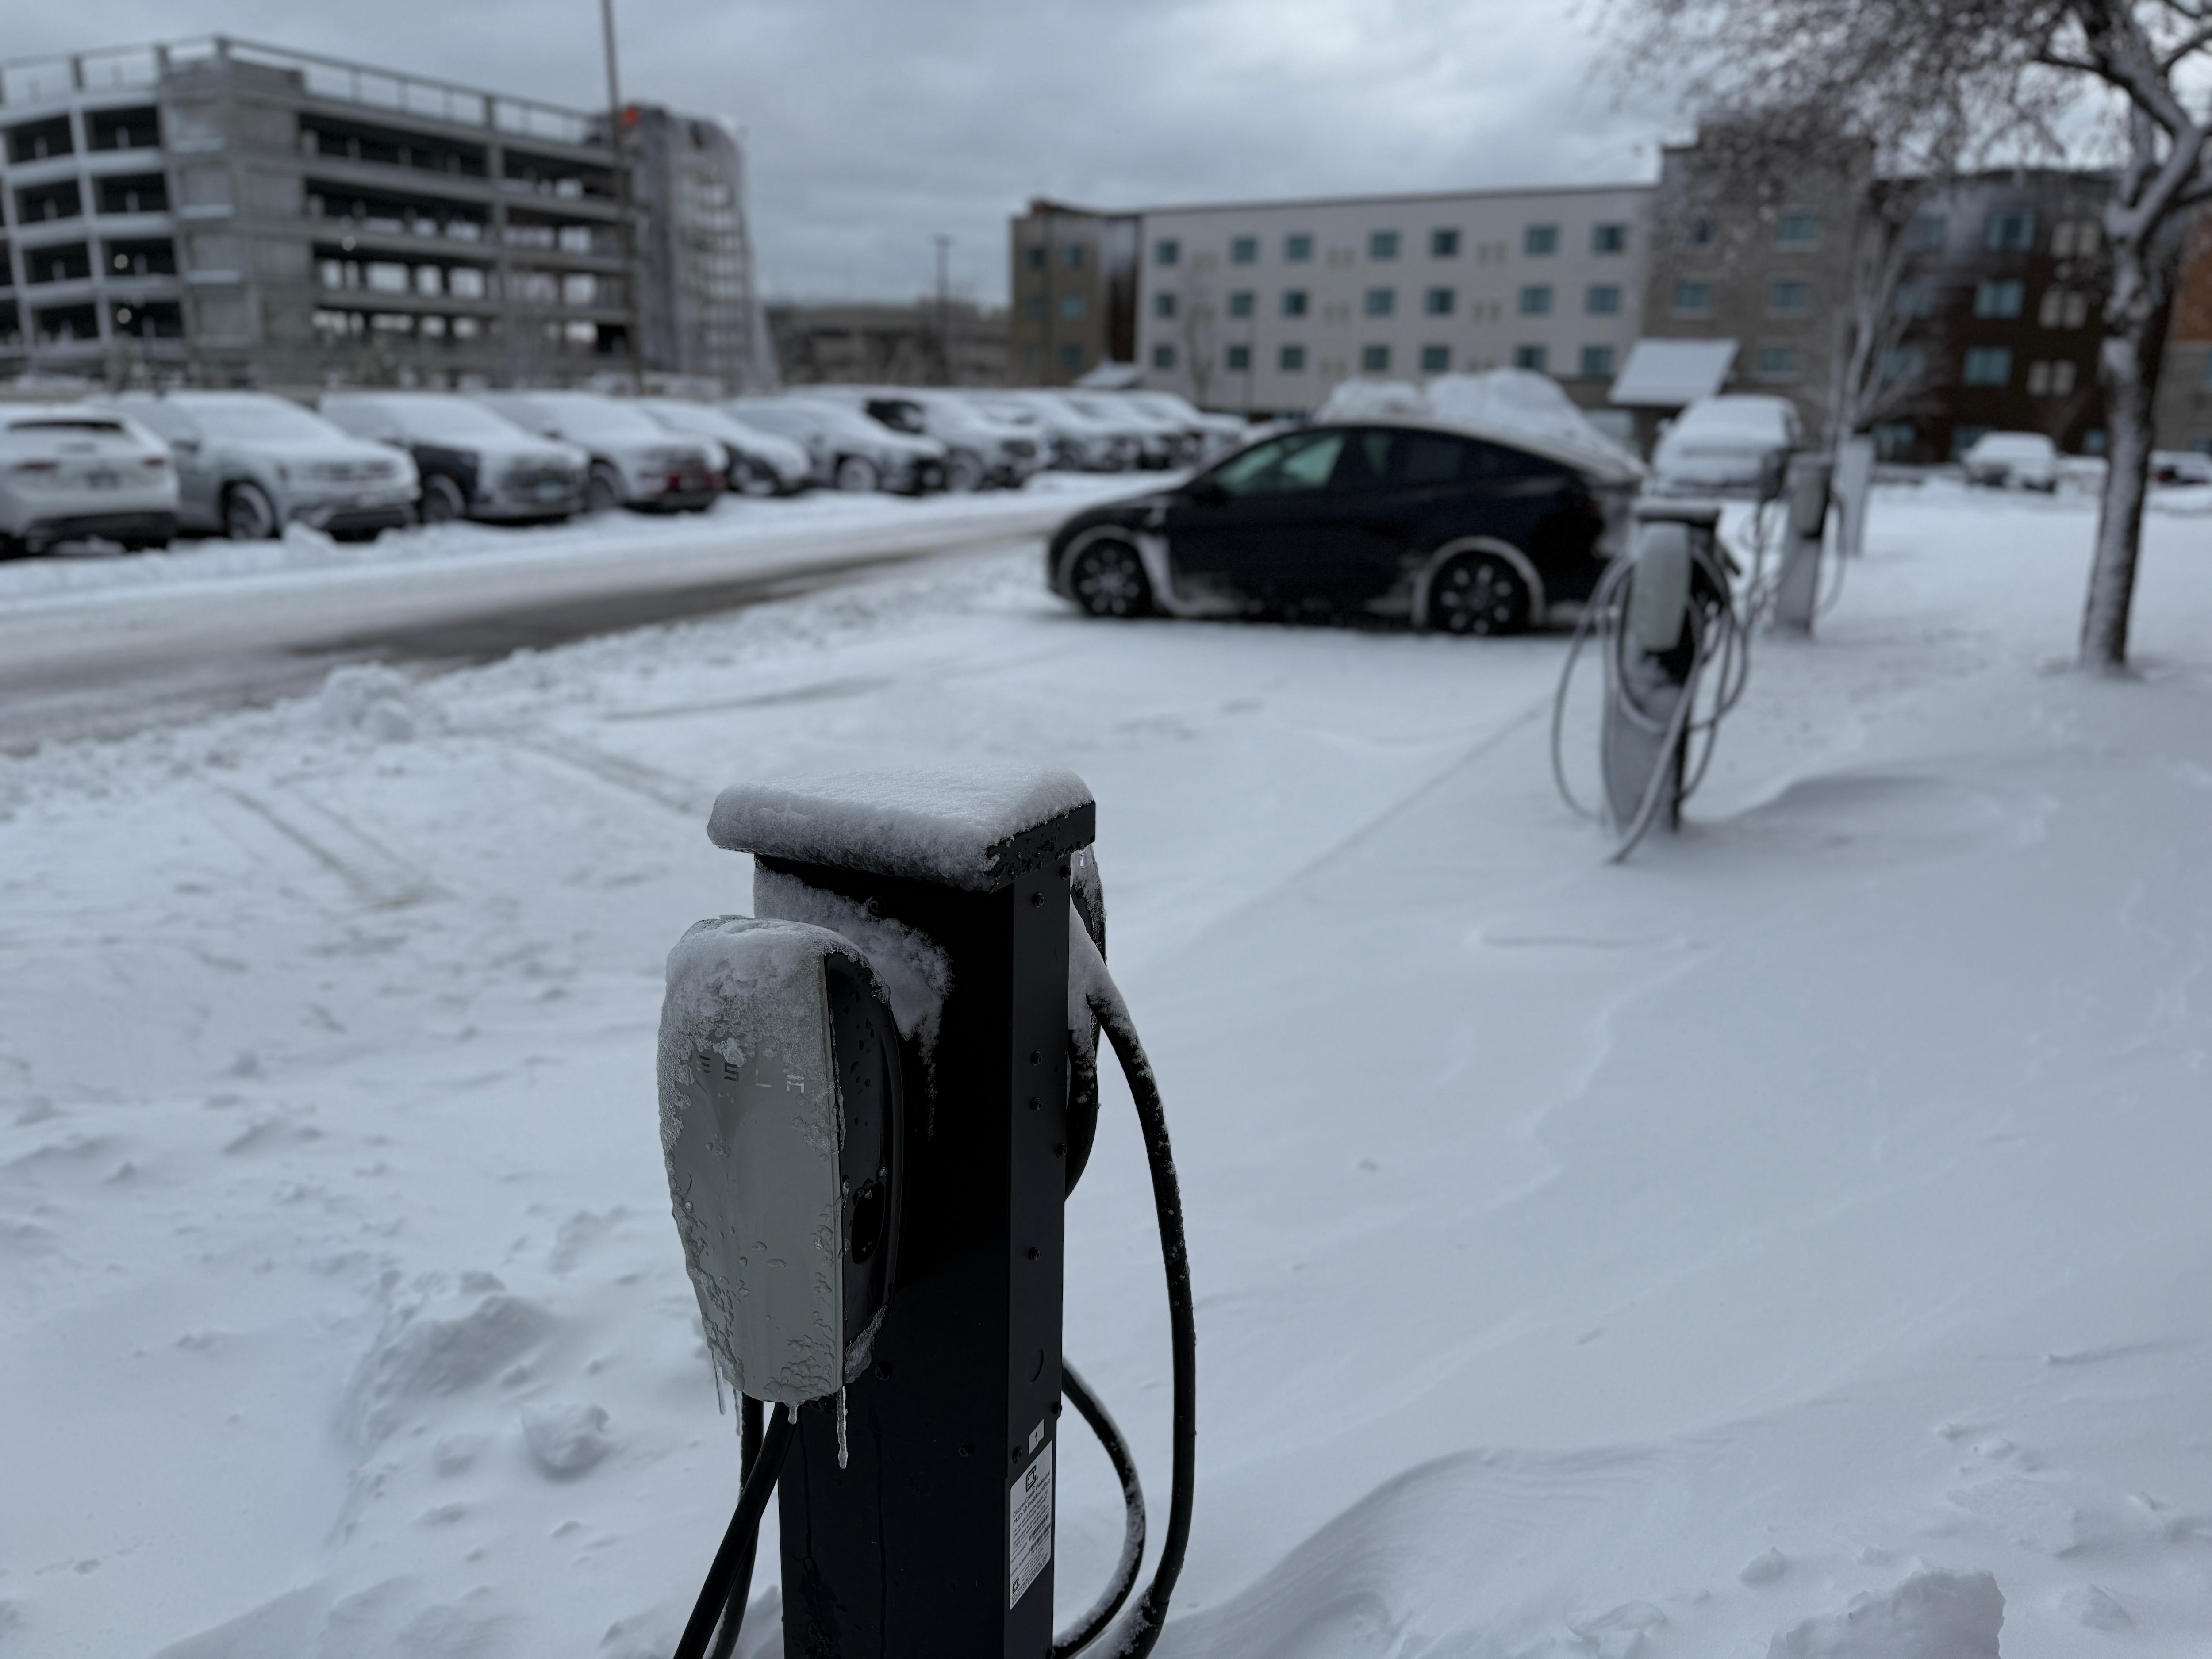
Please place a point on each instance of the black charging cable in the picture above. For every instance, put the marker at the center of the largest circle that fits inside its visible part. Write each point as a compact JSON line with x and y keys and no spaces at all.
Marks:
{"x":724,"y":1583}
{"x":1138,"y":1630}
{"x":1085,"y":1631}
{"x":741,"y":1585}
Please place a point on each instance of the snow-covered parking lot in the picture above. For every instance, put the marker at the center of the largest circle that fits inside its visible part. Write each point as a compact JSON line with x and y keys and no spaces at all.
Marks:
{"x":1740,"y":1251}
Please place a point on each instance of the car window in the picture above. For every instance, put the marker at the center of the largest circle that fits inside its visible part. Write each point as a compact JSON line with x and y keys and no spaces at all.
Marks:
{"x":1364,"y":463}
{"x":1431,"y":457}
{"x":1297,"y":461}
{"x":1497,"y":461}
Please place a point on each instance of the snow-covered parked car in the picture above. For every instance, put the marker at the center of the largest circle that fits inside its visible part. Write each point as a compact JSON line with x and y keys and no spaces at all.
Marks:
{"x":981,"y":449}
{"x":2180,"y":466}
{"x":72,"y":473}
{"x":848,"y":450}
{"x":753,"y":462}
{"x":1215,"y":434}
{"x":248,"y":464}
{"x":1078,"y":441}
{"x":635,"y":462}
{"x":1729,"y":444}
{"x":2012,"y":460}
{"x":473,"y":463}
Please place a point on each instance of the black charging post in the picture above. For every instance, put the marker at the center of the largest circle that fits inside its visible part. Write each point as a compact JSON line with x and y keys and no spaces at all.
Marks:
{"x":923,"y":1523}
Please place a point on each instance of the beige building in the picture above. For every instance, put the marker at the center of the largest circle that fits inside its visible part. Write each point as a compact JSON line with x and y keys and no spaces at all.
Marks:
{"x":920,"y":344}
{"x":1263,"y":307}
{"x":1074,"y":288}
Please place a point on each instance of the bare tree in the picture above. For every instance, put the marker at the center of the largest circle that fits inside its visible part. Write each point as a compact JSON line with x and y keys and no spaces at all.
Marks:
{"x":1937,"y":82}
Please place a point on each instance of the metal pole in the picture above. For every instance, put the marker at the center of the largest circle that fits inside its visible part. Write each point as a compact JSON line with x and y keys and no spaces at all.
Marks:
{"x":619,"y":152}
{"x":943,"y":308}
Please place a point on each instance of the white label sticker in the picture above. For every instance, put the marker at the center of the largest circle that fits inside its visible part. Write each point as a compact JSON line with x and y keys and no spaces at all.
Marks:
{"x":1028,"y":1527}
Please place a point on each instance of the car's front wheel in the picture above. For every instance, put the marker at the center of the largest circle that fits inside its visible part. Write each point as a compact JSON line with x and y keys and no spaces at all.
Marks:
{"x":247,"y":513}
{"x":1108,"y":579}
{"x":857,"y":474}
{"x":964,"y":472}
{"x":1477,"y":593}
{"x":604,"y":493}
{"x":443,"y":500}
{"x":749,"y":478}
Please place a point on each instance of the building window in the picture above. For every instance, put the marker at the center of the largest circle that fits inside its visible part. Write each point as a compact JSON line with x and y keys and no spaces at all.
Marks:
{"x":1238,"y":359}
{"x":2013,"y":232}
{"x":1071,"y":256}
{"x":1294,"y":302}
{"x":1778,"y":362}
{"x":1789,"y":298}
{"x":1903,"y":363}
{"x":1435,"y":359}
{"x":1528,"y":356}
{"x":1536,"y":300}
{"x":1164,"y":305}
{"x":1163,"y":357}
{"x":1071,"y":308}
{"x":1989,"y":366}
{"x":1033,"y":257}
{"x":1167,"y":252}
{"x":1374,"y":360}
{"x":1443,"y":244}
{"x":1693,"y":299}
{"x":1244,"y":249}
{"x":1999,"y":299}
{"x":2062,"y":307}
{"x":1798,"y":230}
{"x":1597,"y":363}
{"x":1297,"y":250}
{"x":1240,"y":302}
{"x":1034,"y":306}
{"x":1439,"y":301}
{"x":2072,"y":239}
{"x":1538,"y":241}
{"x":1608,"y":238}
{"x":1925,"y":233}
{"x":1602,"y":300}
{"x":1382,"y":302}
{"x":1291,"y":360}
{"x":1382,"y":244}
{"x":1893,"y":440}
{"x":2092,"y":442}
{"x":1964,"y":438}
{"x":1913,"y":299}
{"x":1700,"y":234}
{"x":1071,"y":357}
{"x":2051,"y":380}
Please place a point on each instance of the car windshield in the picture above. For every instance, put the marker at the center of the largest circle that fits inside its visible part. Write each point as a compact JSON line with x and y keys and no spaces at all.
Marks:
{"x":896,"y":414}
{"x":1002,"y":409}
{"x":1301,"y":460}
{"x":73,"y":424}
{"x":770,"y":418}
{"x":265,"y":418}
{"x":452,"y":419}
{"x":605,"y":421}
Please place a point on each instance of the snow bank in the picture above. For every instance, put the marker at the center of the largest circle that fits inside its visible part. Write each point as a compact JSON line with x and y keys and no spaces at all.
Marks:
{"x":1931,"y":1615}
{"x":951,"y":826}
{"x":1509,"y":405}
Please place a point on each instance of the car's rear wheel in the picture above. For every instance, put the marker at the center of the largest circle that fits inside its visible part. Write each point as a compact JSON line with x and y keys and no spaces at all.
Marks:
{"x":1108,"y":579}
{"x":964,"y":472}
{"x":247,"y":513}
{"x":857,"y":474}
{"x":604,"y":493}
{"x":1477,"y":593}
{"x":749,"y":478}
{"x":443,"y":500}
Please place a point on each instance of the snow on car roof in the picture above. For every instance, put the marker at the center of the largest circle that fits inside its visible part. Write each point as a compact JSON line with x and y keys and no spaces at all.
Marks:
{"x":1515,"y":407}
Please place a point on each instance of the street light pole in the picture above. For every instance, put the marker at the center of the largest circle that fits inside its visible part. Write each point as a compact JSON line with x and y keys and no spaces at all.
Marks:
{"x":945,"y":308}
{"x":618,"y":152}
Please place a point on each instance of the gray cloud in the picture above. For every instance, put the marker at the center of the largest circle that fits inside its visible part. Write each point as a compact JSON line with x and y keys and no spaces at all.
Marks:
{"x":874,"y":124}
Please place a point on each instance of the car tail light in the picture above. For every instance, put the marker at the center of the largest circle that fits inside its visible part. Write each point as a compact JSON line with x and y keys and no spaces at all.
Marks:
{"x":154,"y":460}
{"x":37,"y":467}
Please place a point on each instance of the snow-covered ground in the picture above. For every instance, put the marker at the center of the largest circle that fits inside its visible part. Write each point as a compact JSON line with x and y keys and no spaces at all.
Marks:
{"x":1651,"y":1260}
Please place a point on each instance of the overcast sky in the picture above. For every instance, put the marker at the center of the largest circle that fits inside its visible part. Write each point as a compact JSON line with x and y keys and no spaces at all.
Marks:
{"x":873,"y":124}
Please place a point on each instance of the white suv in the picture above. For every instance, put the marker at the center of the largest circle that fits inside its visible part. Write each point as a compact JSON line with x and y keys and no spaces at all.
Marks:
{"x":248,"y":465}
{"x":68,"y":472}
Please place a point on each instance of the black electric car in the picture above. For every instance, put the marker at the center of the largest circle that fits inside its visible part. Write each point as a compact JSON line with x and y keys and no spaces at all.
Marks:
{"x":1438,"y":525}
